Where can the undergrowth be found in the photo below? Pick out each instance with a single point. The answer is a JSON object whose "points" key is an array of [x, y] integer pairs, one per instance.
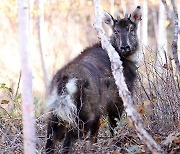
{"points": [[156, 97]]}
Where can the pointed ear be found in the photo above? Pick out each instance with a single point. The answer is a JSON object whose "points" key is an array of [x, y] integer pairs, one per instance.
{"points": [[108, 19], [136, 15]]}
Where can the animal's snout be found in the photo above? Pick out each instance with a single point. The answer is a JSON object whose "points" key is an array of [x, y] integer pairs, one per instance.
{"points": [[125, 48]]}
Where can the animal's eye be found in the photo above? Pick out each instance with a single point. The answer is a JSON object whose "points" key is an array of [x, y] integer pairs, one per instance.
{"points": [[115, 32], [131, 30]]}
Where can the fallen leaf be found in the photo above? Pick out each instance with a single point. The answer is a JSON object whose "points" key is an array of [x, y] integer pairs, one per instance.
{"points": [[140, 108], [4, 101], [147, 102]]}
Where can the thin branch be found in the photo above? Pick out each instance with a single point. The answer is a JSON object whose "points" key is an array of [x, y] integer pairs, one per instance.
{"points": [[117, 71], [5, 111], [19, 80]]}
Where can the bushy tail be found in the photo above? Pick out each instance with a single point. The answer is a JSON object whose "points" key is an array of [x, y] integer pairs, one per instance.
{"points": [[63, 105]]}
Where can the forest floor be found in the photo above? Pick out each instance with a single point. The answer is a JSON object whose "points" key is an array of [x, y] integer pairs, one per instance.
{"points": [[125, 140], [159, 106]]}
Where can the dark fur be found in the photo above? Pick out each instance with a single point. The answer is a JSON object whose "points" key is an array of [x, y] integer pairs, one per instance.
{"points": [[97, 94]]}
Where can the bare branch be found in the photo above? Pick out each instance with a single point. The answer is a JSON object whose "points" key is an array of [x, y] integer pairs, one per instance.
{"points": [[19, 80], [117, 71]]}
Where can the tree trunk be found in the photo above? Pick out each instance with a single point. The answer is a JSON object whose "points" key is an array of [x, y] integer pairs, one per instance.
{"points": [[41, 37], [175, 37], [174, 18], [112, 7], [162, 39], [155, 24], [144, 24], [178, 8], [136, 3], [117, 71], [27, 96]]}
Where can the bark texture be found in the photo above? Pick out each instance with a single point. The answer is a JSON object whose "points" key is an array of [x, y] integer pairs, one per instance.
{"points": [[27, 96], [41, 37], [174, 18], [175, 38]]}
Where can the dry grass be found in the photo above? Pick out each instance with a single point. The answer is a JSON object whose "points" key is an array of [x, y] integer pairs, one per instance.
{"points": [[156, 98]]}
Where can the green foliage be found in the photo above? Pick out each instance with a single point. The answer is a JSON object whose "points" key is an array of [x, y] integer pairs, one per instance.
{"points": [[15, 99], [3, 85], [10, 100], [18, 97]]}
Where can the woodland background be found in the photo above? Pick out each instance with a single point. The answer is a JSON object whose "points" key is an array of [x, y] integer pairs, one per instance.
{"points": [[60, 30]]}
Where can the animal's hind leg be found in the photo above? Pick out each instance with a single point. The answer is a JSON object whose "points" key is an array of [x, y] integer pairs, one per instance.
{"points": [[70, 138], [55, 132], [112, 121], [74, 134], [114, 114]]}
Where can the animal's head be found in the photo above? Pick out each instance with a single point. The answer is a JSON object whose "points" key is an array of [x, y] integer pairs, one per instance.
{"points": [[124, 36]]}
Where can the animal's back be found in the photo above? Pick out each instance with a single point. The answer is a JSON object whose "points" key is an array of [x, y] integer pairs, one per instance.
{"points": [[92, 69], [93, 61]]}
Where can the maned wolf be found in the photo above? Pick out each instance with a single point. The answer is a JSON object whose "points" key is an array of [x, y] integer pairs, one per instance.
{"points": [[84, 90]]}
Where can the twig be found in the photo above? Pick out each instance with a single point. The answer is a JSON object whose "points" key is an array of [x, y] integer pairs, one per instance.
{"points": [[18, 85], [117, 71], [5, 111]]}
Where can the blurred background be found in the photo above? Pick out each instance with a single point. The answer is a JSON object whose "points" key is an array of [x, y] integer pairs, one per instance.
{"points": [[59, 31]]}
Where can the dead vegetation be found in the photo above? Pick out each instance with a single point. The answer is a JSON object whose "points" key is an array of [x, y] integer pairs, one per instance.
{"points": [[156, 98]]}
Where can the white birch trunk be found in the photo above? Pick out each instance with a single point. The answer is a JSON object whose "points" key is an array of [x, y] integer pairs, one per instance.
{"points": [[112, 7], [175, 37], [178, 9], [174, 17], [41, 37], [144, 24], [155, 24], [123, 5], [117, 71], [136, 3], [139, 55], [27, 96], [162, 39]]}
